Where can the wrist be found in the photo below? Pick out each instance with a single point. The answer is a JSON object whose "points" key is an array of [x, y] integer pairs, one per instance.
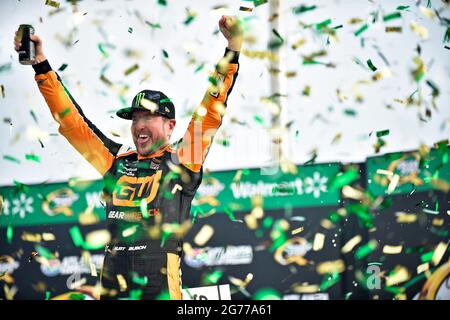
{"points": [[235, 44], [39, 58]]}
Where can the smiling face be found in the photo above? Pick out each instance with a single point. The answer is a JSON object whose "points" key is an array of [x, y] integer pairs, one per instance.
{"points": [[150, 131]]}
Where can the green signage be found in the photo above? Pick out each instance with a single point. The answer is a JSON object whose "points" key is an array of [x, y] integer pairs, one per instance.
{"points": [[80, 201], [403, 172]]}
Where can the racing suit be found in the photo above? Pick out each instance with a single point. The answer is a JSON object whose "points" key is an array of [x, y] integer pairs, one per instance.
{"points": [[142, 193]]}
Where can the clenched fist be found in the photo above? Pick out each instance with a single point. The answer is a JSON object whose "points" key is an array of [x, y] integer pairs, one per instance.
{"points": [[232, 31]]}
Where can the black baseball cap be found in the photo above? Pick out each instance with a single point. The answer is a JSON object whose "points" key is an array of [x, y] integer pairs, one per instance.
{"points": [[159, 103]]}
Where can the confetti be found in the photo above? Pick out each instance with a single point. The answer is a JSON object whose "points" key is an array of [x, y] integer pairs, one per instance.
{"points": [[343, 179], [398, 275], [258, 3], [302, 8], [33, 157], [371, 66], [298, 230], [423, 267], [330, 267], [352, 243], [439, 252], [130, 30], [392, 16], [63, 67], [131, 69], [176, 188], [245, 9], [393, 29], [365, 250], [319, 240], [9, 233], [77, 238], [393, 184], [122, 282], [203, 236], [51, 3], [402, 8], [2, 90], [392, 249], [421, 31], [361, 30], [11, 158]]}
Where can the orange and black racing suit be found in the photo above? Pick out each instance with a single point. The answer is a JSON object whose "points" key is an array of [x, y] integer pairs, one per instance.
{"points": [[143, 193]]}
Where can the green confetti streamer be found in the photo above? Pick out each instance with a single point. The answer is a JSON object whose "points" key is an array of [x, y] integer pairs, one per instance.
{"points": [[200, 67], [33, 115], [153, 25], [162, 2], [426, 257], [163, 295], [329, 280], [267, 294], [102, 50], [322, 24], [365, 250], [213, 277], [343, 179], [392, 16], [33, 157], [350, 112], [76, 235], [44, 252], [47, 295], [77, 296], [11, 158], [64, 113], [258, 3], [259, 120], [371, 66], [63, 67], [166, 55], [278, 35], [9, 234], [361, 30], [144, 208], [301, 9], [382, 133], [402, 8], [142, 281], [130, 30]]}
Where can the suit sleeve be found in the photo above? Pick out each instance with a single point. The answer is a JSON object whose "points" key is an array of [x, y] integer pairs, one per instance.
{"points": [[86, 138], [198, 138]]}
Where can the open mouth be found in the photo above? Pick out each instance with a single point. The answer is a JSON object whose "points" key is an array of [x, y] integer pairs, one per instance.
{"points": [[143, 138]]}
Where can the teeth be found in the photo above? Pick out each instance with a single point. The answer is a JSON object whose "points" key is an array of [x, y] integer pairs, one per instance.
{"points": [[143, 136]]}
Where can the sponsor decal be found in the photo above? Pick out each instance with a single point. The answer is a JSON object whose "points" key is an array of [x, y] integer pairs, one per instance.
{"points": [[219, 256], [293, 251], [130, 191], [314, 185], [70, 265], [59, 202]]}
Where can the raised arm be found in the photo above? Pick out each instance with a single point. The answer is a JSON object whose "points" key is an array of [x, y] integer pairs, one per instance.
{"points": [[208, 116], [86, 138]]}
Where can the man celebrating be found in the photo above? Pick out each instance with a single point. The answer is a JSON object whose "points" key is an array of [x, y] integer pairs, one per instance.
{"points": [[151, 186]]}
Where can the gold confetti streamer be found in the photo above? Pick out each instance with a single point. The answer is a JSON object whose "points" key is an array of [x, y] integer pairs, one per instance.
{"points": [[330, 267], [203, 236], [392, 249], [348, 247], [400, 274], [403, 217], [319, 240], [122, 282], [439, 253]]}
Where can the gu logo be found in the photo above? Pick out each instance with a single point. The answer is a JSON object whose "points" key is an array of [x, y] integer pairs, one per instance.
{"points": [[130, 191], [139, 99]]}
